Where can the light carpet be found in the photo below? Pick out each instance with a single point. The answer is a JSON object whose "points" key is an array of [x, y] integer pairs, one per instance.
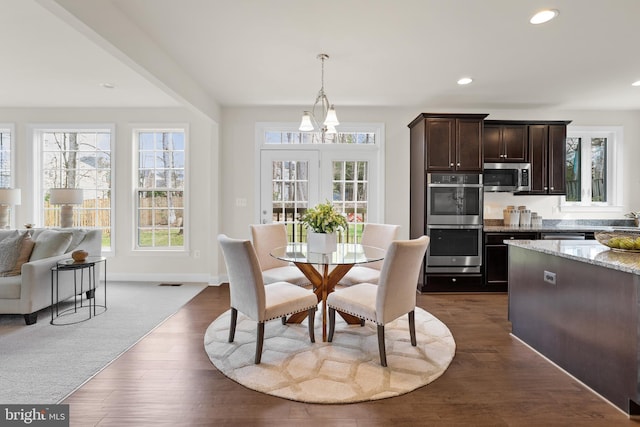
{"points": [[347, 370], [42, 363]]}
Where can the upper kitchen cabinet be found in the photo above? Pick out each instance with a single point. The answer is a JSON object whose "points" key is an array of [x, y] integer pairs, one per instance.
{"points": [[449, 142], [505, 142], [547, 156]]}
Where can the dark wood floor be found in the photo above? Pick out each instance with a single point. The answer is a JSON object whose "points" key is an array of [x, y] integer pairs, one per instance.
{"points": [[494, 380]]}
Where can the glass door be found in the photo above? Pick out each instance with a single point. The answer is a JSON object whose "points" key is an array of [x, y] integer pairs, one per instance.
{"points": [[289, 184], [293, 180]]}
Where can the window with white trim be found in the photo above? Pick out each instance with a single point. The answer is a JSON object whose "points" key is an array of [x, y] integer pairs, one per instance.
{"points": [[80, 158], [6, 164], [160, 188], [593, 169]]}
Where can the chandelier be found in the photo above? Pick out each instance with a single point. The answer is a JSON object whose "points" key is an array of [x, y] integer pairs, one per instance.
{"points": [[309, 122]]}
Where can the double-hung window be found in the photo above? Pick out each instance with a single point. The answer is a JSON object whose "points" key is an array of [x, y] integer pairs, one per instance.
{"points": [[6, 163], [78, 158], [160, 188], [593, 169]]}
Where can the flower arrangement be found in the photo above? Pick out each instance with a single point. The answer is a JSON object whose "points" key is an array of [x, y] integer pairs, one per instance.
{"points": [[323, 218]]}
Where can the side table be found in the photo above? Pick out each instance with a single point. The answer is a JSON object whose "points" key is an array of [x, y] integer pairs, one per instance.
{"points": [[69, 316]]}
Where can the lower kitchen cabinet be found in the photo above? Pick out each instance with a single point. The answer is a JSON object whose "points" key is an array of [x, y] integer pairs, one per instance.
{"points": [[496, 258], [453, 283]]}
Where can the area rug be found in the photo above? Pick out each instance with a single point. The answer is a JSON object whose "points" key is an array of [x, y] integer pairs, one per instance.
{"points": [[42, 363], [347, 370]]}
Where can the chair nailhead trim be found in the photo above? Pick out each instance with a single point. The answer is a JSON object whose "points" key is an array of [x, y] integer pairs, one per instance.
{"points": [[290, 313]]}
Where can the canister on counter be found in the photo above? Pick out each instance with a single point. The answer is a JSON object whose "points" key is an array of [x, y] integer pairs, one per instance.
{"points": [[525, 218]]}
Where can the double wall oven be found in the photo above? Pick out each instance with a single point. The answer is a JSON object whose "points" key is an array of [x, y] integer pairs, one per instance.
{"points": [[454, 222]]}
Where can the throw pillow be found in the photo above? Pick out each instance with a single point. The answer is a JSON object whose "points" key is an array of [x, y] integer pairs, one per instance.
{"points": [[9, 250], [23, 256], [50, 243]]}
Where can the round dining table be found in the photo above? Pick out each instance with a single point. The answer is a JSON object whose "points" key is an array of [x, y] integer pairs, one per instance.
{"points": [[324, 271]]}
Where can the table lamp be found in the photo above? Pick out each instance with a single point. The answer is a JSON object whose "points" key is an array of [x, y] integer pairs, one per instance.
{"points": [[66, 197], [8, 197]]}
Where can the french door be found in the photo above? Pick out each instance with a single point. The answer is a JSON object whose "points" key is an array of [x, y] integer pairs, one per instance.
{"points": [[294, 180]]}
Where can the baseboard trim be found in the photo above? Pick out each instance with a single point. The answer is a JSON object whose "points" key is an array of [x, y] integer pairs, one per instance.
{"points": [[164, 277]]}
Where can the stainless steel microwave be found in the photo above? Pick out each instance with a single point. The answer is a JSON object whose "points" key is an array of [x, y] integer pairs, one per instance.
{"points": [[508, 177]]}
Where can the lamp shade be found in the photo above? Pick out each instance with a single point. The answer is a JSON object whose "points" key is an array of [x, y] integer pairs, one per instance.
{"points": [[10, 196], [305, 124], [66, 196], [332, 118]]}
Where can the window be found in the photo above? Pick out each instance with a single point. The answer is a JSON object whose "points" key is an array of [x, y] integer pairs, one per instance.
{"points": [[593, 169], [350, 194], [275, 136], [6, 180], [77, 158], [160, 188]]}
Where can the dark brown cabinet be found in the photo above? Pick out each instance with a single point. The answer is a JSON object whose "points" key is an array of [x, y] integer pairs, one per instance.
{"points": [[505, 142], [547, 156], [441, 143], [496, 257], [450, 142]]}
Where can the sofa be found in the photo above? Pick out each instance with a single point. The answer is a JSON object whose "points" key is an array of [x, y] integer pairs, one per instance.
{"points": [[26, 259]]}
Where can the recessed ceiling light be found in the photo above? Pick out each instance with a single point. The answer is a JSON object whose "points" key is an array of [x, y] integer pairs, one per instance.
{"points": [[108, 85], [543, 16], [465, 81], [636, 83]]}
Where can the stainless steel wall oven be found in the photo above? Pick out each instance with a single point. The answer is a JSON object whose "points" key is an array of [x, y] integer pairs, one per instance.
{"points": [[454, 198], [454, 222]]}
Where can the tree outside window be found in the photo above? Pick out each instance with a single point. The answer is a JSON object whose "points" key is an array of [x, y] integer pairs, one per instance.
{"points": [[594, 175], [78, 158], [160, 189], [5, 158]]}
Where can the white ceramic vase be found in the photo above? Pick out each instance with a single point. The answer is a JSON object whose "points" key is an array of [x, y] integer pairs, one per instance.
{"points": [[322, 243]]}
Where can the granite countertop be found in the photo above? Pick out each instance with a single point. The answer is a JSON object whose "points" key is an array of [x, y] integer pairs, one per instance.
{"points": [[550, 228], [559, 226], [588, 251]]}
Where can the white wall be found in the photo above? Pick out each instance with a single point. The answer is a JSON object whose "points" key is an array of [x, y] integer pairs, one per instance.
{"points": [[203, 220]]}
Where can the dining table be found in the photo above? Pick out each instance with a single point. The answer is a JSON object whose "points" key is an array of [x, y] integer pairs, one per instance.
{"points": [[324, 271]]}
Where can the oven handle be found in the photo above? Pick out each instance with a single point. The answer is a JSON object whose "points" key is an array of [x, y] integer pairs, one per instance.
{"points": [[457, 226], [456, 185]]}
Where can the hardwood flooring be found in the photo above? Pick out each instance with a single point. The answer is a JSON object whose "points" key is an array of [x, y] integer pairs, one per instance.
{"points": [[494, 380]]}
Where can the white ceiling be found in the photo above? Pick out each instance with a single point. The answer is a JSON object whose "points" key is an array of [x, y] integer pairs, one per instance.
{"points": [[405, 53]]}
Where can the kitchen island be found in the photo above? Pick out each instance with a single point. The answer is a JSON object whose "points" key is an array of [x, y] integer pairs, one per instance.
{"points": [[577, 303]]}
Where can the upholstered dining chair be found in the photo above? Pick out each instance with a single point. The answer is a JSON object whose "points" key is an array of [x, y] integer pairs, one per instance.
{"points": [[379, 236], [265, 238], [394, 296], [256, 301]]}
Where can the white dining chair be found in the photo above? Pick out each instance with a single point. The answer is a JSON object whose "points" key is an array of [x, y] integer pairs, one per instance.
{"points": [[394, 296], [379, 236], [251, 297], [265, 238]]}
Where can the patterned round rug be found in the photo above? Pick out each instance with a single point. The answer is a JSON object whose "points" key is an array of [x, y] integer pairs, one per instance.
{"points": [[345, 371]]}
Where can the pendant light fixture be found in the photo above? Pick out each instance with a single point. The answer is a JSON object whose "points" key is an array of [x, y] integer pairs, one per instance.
{"points": [[309, 122]]}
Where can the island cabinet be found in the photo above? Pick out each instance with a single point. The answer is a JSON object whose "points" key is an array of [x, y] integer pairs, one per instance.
{"points": [[505, 142], [577, 304], [449, 142], [547, 154]]}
